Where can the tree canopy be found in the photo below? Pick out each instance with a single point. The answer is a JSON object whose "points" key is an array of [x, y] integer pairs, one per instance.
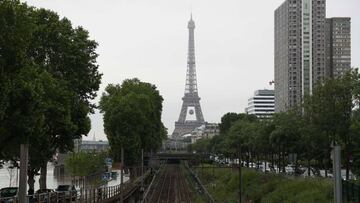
{"points": [[132, 118], [329, 115], [85, 164], [48, 78]]}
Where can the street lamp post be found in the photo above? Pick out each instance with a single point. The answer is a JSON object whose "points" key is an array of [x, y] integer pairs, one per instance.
{"points": [[121, 176], [239, 168], [336, 157]]}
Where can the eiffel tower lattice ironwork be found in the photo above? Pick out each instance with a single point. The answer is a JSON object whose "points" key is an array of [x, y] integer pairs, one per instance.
{"points": [[191, 115]]}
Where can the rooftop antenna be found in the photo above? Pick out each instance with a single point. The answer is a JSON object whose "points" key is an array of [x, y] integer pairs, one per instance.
{"points": [[191, 12]]}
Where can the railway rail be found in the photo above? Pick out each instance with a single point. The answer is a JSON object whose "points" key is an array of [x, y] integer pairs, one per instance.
{"points": [[170, 186]]}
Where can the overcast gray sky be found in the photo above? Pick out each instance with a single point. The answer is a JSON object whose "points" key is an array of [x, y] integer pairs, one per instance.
{"points": [[147, 39]]}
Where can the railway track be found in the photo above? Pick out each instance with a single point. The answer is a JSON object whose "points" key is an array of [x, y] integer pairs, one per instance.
{"points": [[184, 197], [171, 186]]}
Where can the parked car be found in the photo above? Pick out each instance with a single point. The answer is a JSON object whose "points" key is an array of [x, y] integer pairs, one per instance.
{"points": [[312, 172], [329, 174], [262, 167], [66, 192], [290, 169], [8, 194], [42, 191], [351, 175], [44, 195]]}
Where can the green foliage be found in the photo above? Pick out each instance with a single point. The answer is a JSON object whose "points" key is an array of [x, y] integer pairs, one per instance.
{"points": [[48, 77], [329, 110], [85, 164], [223, 185], [132, 118], [202, 145], [330, 114], [306, 190], [232, 131], [242, 133], [36, 42], [355, 135], [331, 105], [228, 119], [286, 132]]}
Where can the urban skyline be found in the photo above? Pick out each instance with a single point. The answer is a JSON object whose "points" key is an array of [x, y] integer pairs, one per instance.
{"points": [[236, 63], [90, 117]]}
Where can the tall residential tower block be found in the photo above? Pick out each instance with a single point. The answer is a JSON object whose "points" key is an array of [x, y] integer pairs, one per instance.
{"points": [[299, 50], [338, 46], [308, 49]]}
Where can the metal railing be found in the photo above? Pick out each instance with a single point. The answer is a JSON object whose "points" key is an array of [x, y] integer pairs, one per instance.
{"points": [[207, 195], [89, 195], [147, 195], [350, 191]]}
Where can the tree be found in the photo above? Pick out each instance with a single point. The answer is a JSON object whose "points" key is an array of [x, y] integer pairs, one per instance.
{"points": [[132, 119], [202, 146], [226, 121], [312, 142], [355, 123], [262, 139], [13, 42], [69, 55], [355, 134], [226, 144], [241, 134], [48, 76], [330, 114], [85, 164], [331, 106], [286, 134], [354, 78], [229, 118], [219, 146]]}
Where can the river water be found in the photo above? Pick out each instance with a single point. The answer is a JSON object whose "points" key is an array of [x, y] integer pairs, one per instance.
{"points": [[9, 178]]}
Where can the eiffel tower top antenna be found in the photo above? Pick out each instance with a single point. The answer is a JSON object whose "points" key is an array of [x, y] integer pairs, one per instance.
{"points": [[191, 82]]}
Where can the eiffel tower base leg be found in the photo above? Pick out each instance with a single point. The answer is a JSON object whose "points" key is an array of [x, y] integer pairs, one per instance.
{"points": [[184, 128]]}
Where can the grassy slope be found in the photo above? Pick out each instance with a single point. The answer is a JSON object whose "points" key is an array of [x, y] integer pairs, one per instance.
{"points": [[257, 187]]}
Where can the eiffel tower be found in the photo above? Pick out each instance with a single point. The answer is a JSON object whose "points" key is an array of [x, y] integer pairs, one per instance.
{"points": [[191, 115]]}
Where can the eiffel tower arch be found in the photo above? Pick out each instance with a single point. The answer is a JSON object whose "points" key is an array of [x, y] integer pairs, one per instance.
{"points": [[191, 115]]}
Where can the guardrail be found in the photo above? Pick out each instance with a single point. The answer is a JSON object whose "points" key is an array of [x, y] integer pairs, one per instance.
{"points": [[350, 191], [146, 195], [90, 195], [197, 179], [147, 191]]}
